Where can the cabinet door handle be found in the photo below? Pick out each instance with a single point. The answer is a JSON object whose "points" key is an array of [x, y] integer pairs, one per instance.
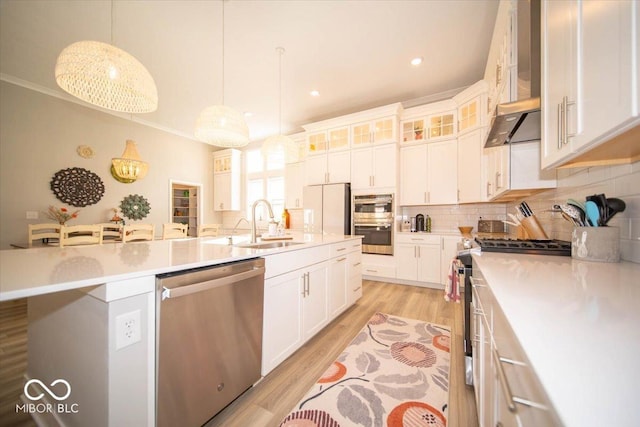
{"points": [[428, 196], [498, 181], [356, 264], [559, 124], [565, 105], [340, 259], [415, 252], [504, 384]]}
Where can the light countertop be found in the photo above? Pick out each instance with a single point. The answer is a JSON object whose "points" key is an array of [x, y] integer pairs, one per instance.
{"points": [[579, 324], [36, 271]]}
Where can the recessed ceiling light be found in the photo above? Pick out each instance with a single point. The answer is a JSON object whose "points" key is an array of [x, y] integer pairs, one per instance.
{"points": [[417, 61], [314, 93]]}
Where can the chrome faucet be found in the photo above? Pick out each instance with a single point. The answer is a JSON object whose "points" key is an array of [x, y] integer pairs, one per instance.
{"points": [[253, 217]]}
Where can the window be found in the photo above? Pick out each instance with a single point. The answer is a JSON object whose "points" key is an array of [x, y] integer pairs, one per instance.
{"points": [[265, 180]]}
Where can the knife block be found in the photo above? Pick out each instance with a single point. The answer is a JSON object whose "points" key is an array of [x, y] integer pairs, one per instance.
{"points": [[533, 228]]}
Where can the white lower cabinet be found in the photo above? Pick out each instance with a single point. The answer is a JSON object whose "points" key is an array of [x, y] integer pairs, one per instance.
{"points": [[299, 303], [338, 285], [418, 258], [314, 299], [508, 392]]}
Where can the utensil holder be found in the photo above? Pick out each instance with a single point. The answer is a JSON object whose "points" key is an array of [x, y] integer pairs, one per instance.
{"points": [[600, 244], [533, 228]]}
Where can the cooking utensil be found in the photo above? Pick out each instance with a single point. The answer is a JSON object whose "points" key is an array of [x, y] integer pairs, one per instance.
{"points": [[593, 213], [581, 210], [601, 202], [615, 205], [575, 213], [576, 203]]}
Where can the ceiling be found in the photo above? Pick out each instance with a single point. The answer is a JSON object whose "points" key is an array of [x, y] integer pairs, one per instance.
{"points": [[355, 52]]}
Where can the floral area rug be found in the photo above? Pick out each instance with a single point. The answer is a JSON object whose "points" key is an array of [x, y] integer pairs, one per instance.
{"points": [[394, 373]]}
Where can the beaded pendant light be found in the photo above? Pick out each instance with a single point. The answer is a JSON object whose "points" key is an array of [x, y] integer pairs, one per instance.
{"points": [[104, 75], [280, 142], [221, 125]]}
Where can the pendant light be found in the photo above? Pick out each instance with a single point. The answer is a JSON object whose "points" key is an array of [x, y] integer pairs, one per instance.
{"points": [[104, 75], [129, 167], [280, 142], [220, 125]]}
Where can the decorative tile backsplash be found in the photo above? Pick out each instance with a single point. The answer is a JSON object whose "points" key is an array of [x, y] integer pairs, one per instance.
{"points": [[621, 181]]}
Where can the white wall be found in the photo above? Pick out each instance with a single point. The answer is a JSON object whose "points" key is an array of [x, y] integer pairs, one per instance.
{"points": [[39, 135]]}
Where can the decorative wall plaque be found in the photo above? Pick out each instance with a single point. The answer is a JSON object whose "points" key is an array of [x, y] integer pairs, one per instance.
{"points": [[135, 206], [77, 187]]}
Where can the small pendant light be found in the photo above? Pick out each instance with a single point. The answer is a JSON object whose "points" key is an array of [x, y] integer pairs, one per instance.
{"points": [[280, 142], [221, 125]]}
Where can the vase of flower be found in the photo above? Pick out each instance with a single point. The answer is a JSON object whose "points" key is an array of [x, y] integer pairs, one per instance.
{"points": [[62, 215]]}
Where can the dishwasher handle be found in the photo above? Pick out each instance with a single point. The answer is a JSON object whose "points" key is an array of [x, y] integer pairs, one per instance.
{"points": [[209, 284]]}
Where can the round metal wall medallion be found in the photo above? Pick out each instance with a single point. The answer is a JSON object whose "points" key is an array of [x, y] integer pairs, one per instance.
{"points": [[135, 207], [77, 187]]}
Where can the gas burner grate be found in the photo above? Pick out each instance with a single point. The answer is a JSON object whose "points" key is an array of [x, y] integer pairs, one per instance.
{"points": [[535, 247]]}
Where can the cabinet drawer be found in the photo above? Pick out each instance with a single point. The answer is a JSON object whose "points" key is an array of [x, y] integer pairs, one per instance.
{"points": [[284, 262], [354, 264], [522, 380], [418, 238], [378, 271], [341, 249]]}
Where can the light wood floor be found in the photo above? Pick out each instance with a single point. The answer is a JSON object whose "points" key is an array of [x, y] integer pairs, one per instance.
{"points": [[267, 403], [271, 399]]}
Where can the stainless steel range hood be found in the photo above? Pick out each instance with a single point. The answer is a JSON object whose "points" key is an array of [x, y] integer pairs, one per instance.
{"points": [[519, 121]]}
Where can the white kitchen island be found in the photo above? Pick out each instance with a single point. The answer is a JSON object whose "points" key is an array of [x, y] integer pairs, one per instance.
{"points": [[77, 296]]}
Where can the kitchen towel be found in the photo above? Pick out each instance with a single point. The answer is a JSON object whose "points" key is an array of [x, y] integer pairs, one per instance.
{"points": [[452, 287], [394, 373]]}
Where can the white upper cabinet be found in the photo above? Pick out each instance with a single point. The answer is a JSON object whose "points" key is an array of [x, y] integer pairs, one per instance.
{"points": [[470, 167], [590, 90], [327, 140], [429, 122], [429, 173], [294, 179], [374, 132], [374, 167], [472, 107], [226, 180], [329, 168]]}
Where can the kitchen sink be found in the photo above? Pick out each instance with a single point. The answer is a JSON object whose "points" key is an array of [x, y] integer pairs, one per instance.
{"points": [[267, 245]]}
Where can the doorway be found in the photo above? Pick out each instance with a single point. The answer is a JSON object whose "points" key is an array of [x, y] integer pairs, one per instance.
{"points": [[185, 204]]}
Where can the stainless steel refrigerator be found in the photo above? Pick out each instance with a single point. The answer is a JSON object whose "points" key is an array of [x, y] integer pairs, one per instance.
{"points": [[327, 208]]}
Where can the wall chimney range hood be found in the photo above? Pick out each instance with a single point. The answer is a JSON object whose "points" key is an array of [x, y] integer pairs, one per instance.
{"points": [[519, 120]]}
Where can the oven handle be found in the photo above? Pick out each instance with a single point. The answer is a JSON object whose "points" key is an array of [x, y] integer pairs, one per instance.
{"points": [[369, 224], [373, 201]]}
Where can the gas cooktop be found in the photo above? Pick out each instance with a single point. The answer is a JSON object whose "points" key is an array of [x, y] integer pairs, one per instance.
{"points": [[535, 247]]}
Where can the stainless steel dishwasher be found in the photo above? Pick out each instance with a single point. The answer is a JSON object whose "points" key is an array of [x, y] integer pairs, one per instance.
{"points": [[209, 340]]}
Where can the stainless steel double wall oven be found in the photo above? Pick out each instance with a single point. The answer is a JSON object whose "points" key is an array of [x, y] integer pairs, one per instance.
{"points": [[373, 219]]}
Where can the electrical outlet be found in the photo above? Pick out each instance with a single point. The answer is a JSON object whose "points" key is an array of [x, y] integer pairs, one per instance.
{"points": [[128, 329], [32, 214]]}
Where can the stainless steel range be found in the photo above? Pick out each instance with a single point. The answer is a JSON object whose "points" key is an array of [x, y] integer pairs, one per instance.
{"points": [[465, 270]]}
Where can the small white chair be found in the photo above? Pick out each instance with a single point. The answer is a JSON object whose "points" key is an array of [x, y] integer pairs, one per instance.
{"points": [[111, 231], [43, 231], [134, 232], [80, 235], [174, 230], [208, 230]]}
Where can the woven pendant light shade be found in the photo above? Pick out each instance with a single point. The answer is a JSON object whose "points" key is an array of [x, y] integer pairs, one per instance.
{"points": [[104, 75], [281, 143], [222, 126], [130, 166]]}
